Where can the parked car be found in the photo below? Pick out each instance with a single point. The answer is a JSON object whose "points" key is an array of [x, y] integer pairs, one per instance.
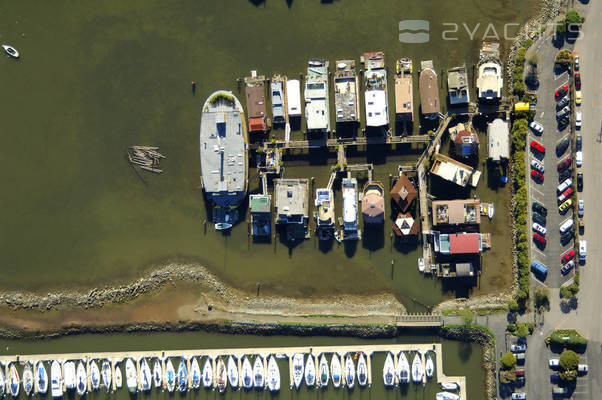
{"points": [[540, 229], [537, 238], [577, 78], [579, 158], [576, 61], [540, 219], [565, 238], [565, 195], [520, 358], [578, 97], [537, 147], [564, 175], [538, 176], [519, 396], [520, 381], [563, 113], [578, 120], [564, 164], [564, 185], [563, 123], [579, 143], [582, 368], [554, 362], [560, 391], [538, 207], [565, 206], [536, 127], [580, 208], [566, 226], [562, 146], [536, 165], [580, 181], [568, 256], [560, 92], [518, 348], [554, 377], [566, 268], [539, 269], [563, 102]]}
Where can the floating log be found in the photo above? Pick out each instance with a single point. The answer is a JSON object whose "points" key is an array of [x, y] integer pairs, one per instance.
{"points": [[144, 148], [155, 170]]}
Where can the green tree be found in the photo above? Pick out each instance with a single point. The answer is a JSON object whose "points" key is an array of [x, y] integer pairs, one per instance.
{"points": [[569, 360], [508, 361], [573, 18], [513, 305], [542, 296]]}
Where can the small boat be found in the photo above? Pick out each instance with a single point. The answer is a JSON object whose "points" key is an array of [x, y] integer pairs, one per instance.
{"points": [[429, 367], [490, 211], [310, 371], [170, 376], [335, 370], [70, 378], [403, 368], [2, 381], [118, 377], [258, 381], [82, 379], [27, 378], [222, 376], [297, 369], [446, 396], [232, 372], [417, 368], [207, 374], [106, 374], [421, 264], [273, 375], [349, 371], [10, 51], [246, 374], [324, 373], [449, 385], [94, 375], [195, 371], [56, 379], [41, 378], [146, 378], [157, 374], [130, 375], [362, 370], [389, 371], [182, 376]]}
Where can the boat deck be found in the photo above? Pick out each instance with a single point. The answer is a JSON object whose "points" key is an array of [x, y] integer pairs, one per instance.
{"points": [[346, 92]]}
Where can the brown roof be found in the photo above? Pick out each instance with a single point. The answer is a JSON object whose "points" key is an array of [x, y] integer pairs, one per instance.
{"points": [[405, 225], [404, 96], [429, 92], [373, 203], [256, 107], [403, 192], [456, 212], [461, 135]]}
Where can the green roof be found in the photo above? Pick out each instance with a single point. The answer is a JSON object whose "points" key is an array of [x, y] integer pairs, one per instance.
{"points": [[260, 203]]}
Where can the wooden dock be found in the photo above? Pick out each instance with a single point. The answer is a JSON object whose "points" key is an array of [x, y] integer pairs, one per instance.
{"points": [[335, 142]]}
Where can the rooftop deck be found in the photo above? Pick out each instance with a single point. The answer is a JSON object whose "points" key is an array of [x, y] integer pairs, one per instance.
{"points": [[346, 92]]}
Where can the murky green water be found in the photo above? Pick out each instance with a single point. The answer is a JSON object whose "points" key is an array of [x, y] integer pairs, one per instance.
{"points": [[459, 359], [97, 77]]}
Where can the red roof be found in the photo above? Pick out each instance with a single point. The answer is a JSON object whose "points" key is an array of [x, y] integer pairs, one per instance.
{"points": [[464, 243], [256, 124]]}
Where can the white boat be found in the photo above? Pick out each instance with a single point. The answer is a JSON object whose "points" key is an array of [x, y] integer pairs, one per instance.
{"points": [[246, 374], [170, 376], [182, 376], [446, 396], [130, 376], [82, 379], [118, 376], [349, 371], [421, 264], [106, 374], [417, 368], [157, 374], [145, 376], [310, 371], [350, 208], [94, 375], [273, 375], [335, 370], [389, 371], [362, 370], [258, 381], [403, 368], [375, 90], [449, 385], [429, 367], [323, 372], [27, 378], [56, 379], [232, 372], [2, 381], [195, 372], [10, 51], [297, 369], [41, 378], [207, 374], [70, 378], [222, 375], [13, 380], [490, 211]]}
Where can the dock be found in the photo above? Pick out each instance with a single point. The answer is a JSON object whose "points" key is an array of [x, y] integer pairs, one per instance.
{"points": [[335, 142]]}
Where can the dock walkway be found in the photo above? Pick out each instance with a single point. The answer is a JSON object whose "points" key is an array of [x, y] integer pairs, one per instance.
{"points": [[335, 142]]}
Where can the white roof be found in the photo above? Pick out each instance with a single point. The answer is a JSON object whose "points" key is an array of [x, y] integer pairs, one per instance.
{"points": [[490, 81], [377, 113], [498, 138], [316, 108], [293, 96], [349, 200]]}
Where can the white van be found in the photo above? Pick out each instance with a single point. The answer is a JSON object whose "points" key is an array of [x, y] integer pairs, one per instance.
{"points": [[565, 185], [582, 250], [566, 226]]}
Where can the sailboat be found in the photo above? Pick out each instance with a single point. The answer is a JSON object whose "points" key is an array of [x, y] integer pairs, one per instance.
{"points": [[323, 371], [146, 379], [195, 371], [446, 396], [246, 374], [403, 368], [349, 371], [41, 378], [2, 381], [94, 375], [362, 370], [310, 371], [429, 366], [207, 374], [273, 375], [449, 385], [106, 374], [417, 368], [130, 375], [56, 379], [232, 372], [69, 371], [170, 376], [118, 377], [182, 376], [297, 369], [389, 371], [157, 374], [27, 378], [222, 376], [335, 370], [82, 379], [258, 381]]}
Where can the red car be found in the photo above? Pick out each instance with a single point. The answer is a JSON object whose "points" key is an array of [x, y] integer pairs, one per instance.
{"points": [[539, 239], [561, 91], [537, 146], [577, 81], [564, 164], [537, 175], [568, 256], [567, 193]]}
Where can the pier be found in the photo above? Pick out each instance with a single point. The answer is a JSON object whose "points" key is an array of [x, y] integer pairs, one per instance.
{"points": [[335, 142]]}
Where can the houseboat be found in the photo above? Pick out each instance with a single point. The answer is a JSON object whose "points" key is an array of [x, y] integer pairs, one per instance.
{"points": [[256, 107], [457, 86], [490, 80], [375, 94], [224, 164], [373, 203], [291, 207], [293, 98], [317, 102], [404, 91], [277, 91], [325, 213], [346, 92], [429, 91], [350, 228]]}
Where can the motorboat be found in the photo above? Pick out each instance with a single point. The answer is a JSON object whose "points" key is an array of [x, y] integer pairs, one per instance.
{"points": [[417, 368], [362, 370], [106, 374], [349, 371], [449, 385], [56, 379], [389, 371], [170, 376], [335, 370], [297, 369], [2, 381], [207, 374], [232, 372], [10, 51], [118, 376], [246, 374], [41, 378], [157, 374], [222, 375], [403, 368], [258, 381], [446, 396], [195, 372], [323, 372], [82, 379], [27, 378], [310, 371], [429, 367], [145, 376], [421, 264], [130, 375], [94, 375], [273, 375], [70, 377], [182, 376]]}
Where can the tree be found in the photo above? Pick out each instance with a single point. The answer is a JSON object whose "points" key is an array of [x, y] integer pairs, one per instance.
{"points": [[508, 361], [522, 330], [542, 296], [513, 305], [573, 18], [563, 57], [569, 360]]}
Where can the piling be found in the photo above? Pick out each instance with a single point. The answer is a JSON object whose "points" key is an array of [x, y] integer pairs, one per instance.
{"points": [[193, 85]]}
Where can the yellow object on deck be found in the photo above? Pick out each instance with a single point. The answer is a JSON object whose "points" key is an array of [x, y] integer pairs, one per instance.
{"points": [[521, 106]]}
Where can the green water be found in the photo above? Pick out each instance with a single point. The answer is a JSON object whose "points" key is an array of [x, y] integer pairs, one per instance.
{"points": [[459, 359], [96, 77]]}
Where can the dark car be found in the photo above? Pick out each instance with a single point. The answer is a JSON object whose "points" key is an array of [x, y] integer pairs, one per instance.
{"points": [[537, 146], [563, 123], [564, 175], [577, 81], [554, 377], [560, 92], [579, 142], [538, 207], [563, 102], [580, 181], [564, 164], [562, 146], [567, 237], [538, 176], [540, 219], [564, 112]]}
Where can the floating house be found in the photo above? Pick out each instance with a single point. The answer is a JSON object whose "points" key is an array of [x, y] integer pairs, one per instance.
{"points": [[317, 103], [456, 270], [498, 138], [490, 80], [406, 227], [466, 142], [277, 90], [293, 98], [404, 91], [429, 91], [346, 88], [373, 203], [325, 213], [457, 86], [458, 243], [454, 171], [256, 107], [456, 212], [350, 227], [375, 90], [292, 207], [261, 214], [403, 192]]}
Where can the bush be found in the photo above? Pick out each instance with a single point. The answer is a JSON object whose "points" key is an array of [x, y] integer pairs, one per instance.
{"points": [[542, 296], [513, 305], [573, 18], [563, 57], [574, 341], [520, 329], [569, 360], [508, 361]]}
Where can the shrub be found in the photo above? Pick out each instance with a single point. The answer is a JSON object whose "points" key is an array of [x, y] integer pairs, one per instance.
{"points": [[559, 338], [513, 305], [508, 361], [520, 329], [563, 57], [542, 296], [573, 18], [569, 360]]}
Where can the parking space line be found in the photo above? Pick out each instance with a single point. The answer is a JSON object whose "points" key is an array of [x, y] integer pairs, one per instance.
{"points": [[538, 192], [560, 76], [562, 138], [536, 250]]}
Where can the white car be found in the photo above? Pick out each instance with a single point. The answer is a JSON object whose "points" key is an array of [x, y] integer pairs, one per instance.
{"points": [[578, 120], [554, 362], [519, 396], [538, 228], [536, 165], [536, 127], [581, 208], [579, 158], [518, 348]]}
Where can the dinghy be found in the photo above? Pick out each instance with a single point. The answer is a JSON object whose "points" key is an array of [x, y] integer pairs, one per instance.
{"points": [[389, 371], [222, 376], [13, 380], [195, 371], [207, 374], [273, 375], [446, 396], [118, 377], [335, 370], [170, 376], [246, 374], [106, 375], [82, 379], [69, 371], [27, 378], [10, 51], [362, 370], [297, 369], [310, 371], [403, 368], [56, 379], [324, 374], [417, 368], [182, 376], [157, 374], [232, 372], [94, 375], [449, 385], [146, 378], [41, 378], [429, 367], [2, 381], [130, 375], [349, 371], [258, 381]]}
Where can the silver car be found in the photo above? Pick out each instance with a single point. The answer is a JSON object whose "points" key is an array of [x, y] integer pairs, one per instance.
{"points": [[581, 208], [540, 229], [536, 127], [563, 102], [536, 165], [563, 113], [518, 348]]}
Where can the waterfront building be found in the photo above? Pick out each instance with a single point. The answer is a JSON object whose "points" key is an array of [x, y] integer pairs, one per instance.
{"points": [[490, 80], [457, 86], [429, 91], [456, 270], [375, 90], [466, 142], [403, 192], [317, 103], [373, 203], [261, 214], [256, 107], [346, 89], [454, 171], [292, 207], [458, 243], [404, 91], [277, 90], [456, 212], [406, 227], [498, 138]]}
